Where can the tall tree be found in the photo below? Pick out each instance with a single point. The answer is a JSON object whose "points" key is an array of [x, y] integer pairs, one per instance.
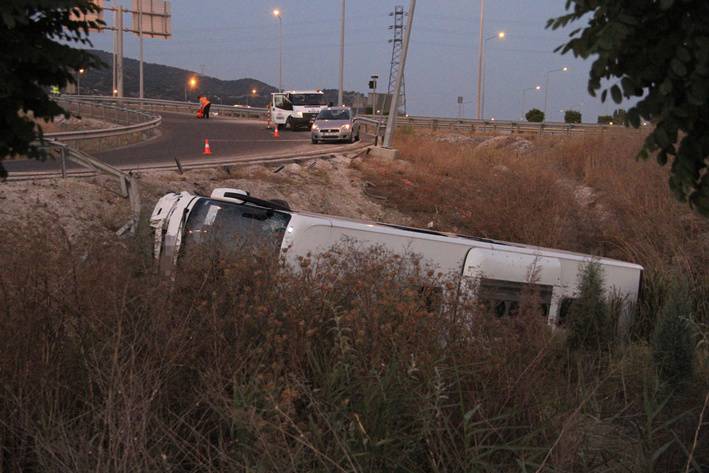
{"points": [[37, 53], [658, 51]]}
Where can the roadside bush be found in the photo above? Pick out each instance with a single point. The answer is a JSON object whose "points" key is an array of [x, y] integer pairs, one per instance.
{"points": [[572, 116], [673, 341], [534, 115], [351, 361], [589, 324]]}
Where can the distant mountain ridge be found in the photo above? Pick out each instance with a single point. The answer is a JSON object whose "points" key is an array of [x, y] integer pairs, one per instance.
{"points": [[168, 82]]}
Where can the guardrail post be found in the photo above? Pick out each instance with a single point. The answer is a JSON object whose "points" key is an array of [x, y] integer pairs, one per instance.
{"points": [[62, 157], [124, 187], [434, 125]]}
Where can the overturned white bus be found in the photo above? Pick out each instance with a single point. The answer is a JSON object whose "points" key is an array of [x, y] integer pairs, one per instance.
{"points": [[501, 268]]}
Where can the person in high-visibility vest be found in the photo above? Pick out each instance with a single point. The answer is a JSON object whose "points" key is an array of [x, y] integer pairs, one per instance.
{"points": [[205, 104]]}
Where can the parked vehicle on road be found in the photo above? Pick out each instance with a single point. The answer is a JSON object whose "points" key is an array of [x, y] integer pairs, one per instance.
{"points": [[500, 268], [335, 124], [296, 108]]}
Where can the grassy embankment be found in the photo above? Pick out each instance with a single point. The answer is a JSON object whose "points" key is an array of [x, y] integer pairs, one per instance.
{"points": [[244, 366]]}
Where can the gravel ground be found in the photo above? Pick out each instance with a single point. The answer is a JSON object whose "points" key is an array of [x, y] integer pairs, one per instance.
{"points": [[94, 205]]}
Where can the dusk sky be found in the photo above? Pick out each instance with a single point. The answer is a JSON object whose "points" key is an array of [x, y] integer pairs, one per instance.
{"points": [[232, 39]]}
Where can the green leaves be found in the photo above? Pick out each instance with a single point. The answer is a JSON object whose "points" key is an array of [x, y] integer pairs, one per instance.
{"points": [[678, 67], [36, 53], [616, 94], [666, 4], [658, 51]]}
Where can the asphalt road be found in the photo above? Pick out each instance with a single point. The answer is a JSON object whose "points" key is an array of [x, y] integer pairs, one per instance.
{"points": [[182, 137]]}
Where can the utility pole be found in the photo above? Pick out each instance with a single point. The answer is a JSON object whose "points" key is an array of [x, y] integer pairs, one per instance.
{"points": [[278, 14], [340, 94], [396, 51], [394, 106], [119, 52], [140, 36], [478, 107]]}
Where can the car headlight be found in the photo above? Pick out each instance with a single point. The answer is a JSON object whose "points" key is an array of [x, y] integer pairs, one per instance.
{"points": [[298, 114], [344, 127], [315, 128]]}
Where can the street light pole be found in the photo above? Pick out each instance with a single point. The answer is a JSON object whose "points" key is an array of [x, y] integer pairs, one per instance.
{"points": [[340, 94], [277, 13], [394, 102], [537, 88], [140, 35], [192, 83], [478, 107], [501, 35], [546, 88], [78, 81]]}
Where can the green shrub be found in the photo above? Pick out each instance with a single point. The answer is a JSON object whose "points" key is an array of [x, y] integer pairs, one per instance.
{"points": [[572, 116], [535, 116], [673, 344], [588, 319]]}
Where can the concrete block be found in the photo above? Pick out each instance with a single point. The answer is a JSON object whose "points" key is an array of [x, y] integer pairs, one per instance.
{"points": [[384, 153]]}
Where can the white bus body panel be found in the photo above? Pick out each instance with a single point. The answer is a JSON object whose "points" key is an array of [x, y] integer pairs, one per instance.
{"points": [[309, 235]]}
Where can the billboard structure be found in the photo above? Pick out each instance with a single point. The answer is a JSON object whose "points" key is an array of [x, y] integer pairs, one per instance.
{"points": [[152, 18], [91, 17]]}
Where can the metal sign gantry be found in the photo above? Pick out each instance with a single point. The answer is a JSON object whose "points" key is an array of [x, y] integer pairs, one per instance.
{"points": [[151, 18]]}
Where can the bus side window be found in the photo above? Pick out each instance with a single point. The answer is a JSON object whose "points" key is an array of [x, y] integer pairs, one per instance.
{"points": [[565, 309], [503, 297]]}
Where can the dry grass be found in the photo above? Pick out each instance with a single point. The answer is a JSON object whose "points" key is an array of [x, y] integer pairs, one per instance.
{"points": [[583, 193], [350, 363], [342, 364]]}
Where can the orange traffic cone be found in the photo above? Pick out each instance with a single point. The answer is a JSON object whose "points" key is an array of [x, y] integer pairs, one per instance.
{"points": [[207, 150], [275, 130]]}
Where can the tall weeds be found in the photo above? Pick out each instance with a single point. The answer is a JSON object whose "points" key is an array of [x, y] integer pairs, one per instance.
{"points": [[346, 363]]}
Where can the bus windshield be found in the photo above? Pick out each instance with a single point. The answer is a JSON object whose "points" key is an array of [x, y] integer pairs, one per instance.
{"points": [[307, 99], [231, 225]]}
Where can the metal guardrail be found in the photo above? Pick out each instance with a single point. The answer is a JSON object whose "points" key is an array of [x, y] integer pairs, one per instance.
{"points": [[504, 126], [378, 125], [128, 183], [129, 121], [416, 122], [160, 105]]}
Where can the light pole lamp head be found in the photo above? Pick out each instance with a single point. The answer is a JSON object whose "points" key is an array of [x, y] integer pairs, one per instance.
{"points": [[82, 70], [539, 87], [253, 91], [193, 82], [564, 69], [276, 12], [501, 35]]}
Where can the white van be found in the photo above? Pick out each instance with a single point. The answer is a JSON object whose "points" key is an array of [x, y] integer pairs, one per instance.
{"points": [[296, 108], [501, 269]]}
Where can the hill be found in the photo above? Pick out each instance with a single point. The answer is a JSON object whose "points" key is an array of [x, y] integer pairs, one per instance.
{"points": [[168, 82]]}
